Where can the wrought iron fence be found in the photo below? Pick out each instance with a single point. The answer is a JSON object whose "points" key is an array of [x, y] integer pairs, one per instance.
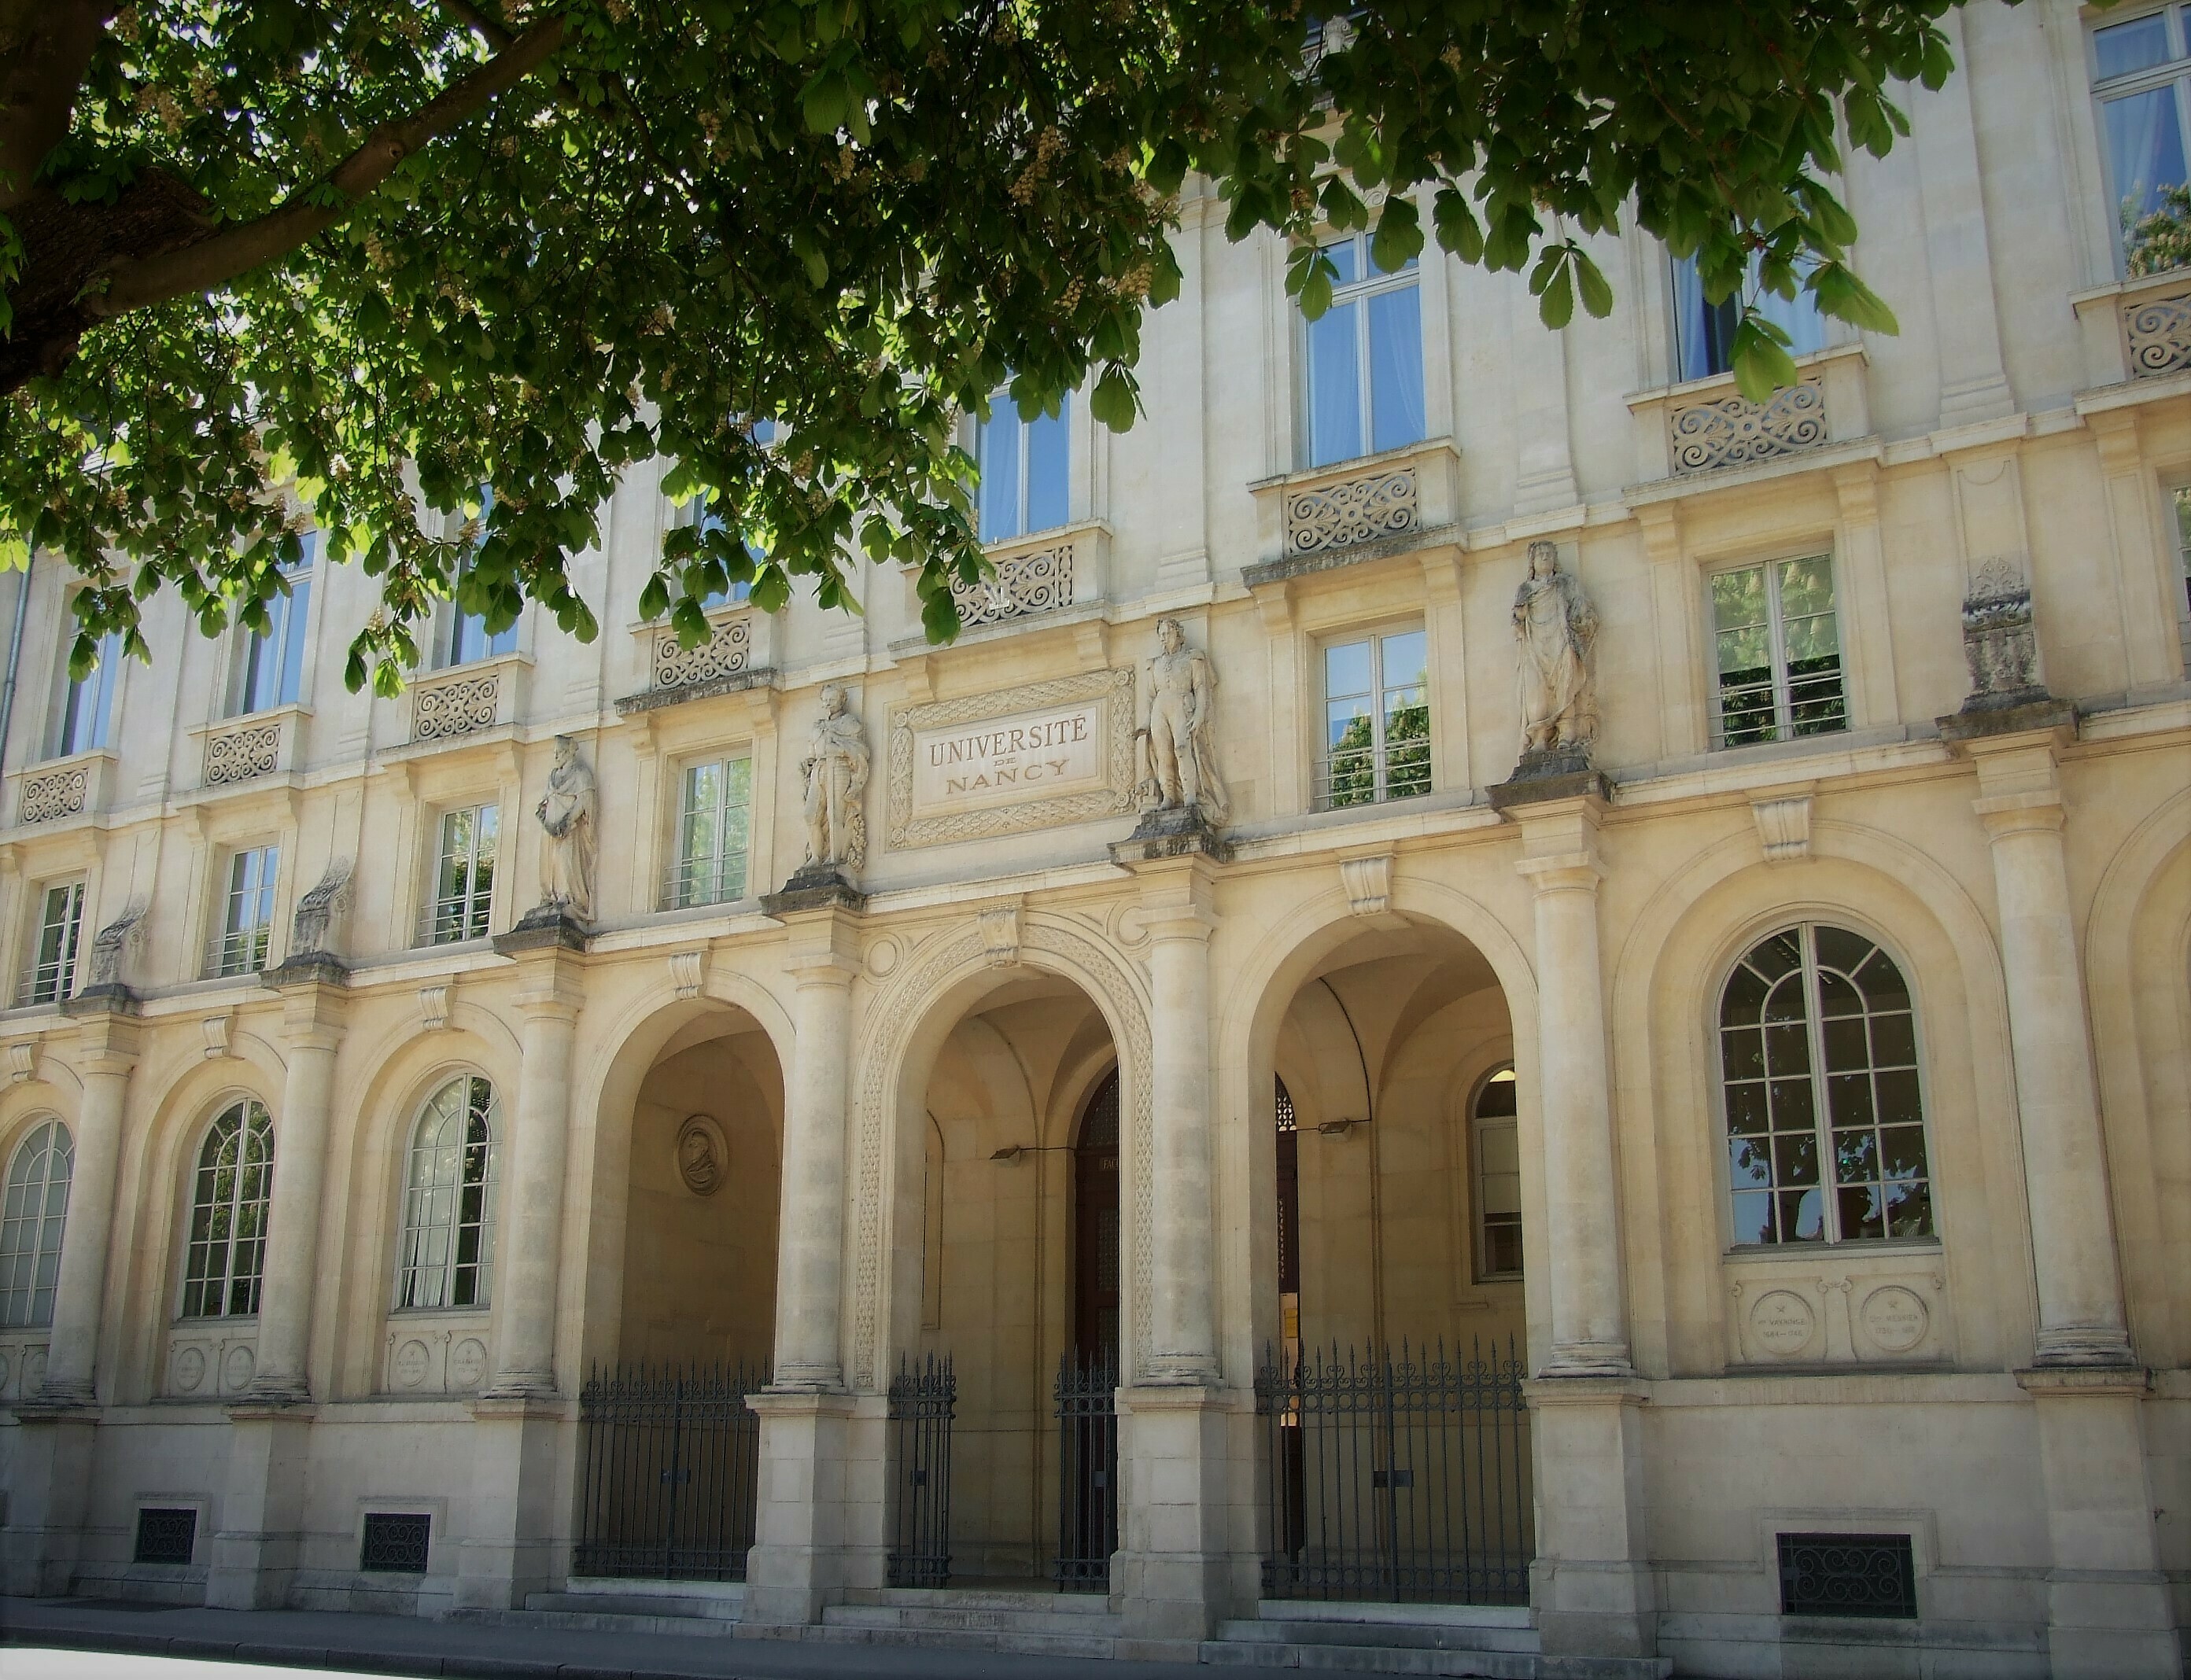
{"points": [[923, 1398], [669, 1465], [1395, 1479], [1087, 1471]]}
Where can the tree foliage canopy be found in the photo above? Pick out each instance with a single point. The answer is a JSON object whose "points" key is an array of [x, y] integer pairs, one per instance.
{"points": [[272, 263]]}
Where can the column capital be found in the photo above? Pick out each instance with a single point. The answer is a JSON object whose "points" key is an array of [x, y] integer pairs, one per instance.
{"points": [[106, 1040], [2038, 812], [313, 1014], [824, 945], [1177, 895], [551, 976]]}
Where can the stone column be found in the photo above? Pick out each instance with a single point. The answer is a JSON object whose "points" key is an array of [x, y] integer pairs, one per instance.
{"points": [[821, 1448], [530, 1239], [1591, 1581], [1182, 1334], [107, 1035], [312, 1025]]}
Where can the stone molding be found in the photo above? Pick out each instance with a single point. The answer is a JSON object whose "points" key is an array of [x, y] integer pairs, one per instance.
{"points": [[896, 1010]]}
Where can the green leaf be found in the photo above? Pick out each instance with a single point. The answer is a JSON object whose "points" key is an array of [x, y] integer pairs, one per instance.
{"points": [[1762, 365], [1115, 400], [1841, 295], [1597, 289], [1458, 229], [1398, 240]]}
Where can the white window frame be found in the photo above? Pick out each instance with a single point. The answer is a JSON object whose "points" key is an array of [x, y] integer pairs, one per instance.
{"points": [[449, 633], [429, 1264], [1368, 284], [289, 636], [1004, 411], [103, 684], [249, 876], [237, 1260], [2173, 72], [1478, 1125], [1791, 314], [51, 980], [1325, 796], [1780, 681], [685, 889], [32, 1225], [469, 912]]}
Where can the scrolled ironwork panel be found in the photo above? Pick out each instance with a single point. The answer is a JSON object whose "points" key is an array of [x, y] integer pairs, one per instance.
{"points": [[442, 711], [1847, 1574], [2158, 333], [1733, 431], [1351, 511]]}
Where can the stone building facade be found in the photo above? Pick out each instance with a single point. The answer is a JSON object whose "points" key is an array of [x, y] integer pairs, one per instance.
{"points": [[1766, 1099]]}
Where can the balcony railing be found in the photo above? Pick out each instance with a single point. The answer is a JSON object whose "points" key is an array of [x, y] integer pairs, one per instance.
{"points": [[236, 951], [691, 882], [53, 981], [1369, 775], [1728, 429], [1029, 581], [449, 921]]}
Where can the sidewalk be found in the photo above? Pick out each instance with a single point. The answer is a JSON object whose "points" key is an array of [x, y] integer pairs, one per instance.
{"points": [[407, 1646]]}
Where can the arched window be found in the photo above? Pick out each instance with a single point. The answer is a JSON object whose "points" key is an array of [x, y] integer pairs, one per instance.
{"points": [[1819, 1056], [449, 1204], [31, 1222], [1498, 1147], [228, 1215]]}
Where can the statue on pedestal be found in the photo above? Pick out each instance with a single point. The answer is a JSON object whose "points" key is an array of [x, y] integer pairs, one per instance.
{"points": [[1555, 682], [1175, 739], [568, 813], [835, 769]]}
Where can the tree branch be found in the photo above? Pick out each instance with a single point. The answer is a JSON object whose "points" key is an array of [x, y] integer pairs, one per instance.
{"points": [[206, 265], [45, 50]]}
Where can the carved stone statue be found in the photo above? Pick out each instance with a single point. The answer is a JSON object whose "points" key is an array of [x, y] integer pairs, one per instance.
{"points": [[1997, 637], [835, 769], [1179, 761], [313, 926], [1555, 684], [111, 943], [569, 813]]}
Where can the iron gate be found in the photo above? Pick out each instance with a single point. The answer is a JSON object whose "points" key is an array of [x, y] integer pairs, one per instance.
{"points": [[922, 1400], [1087, 1471], [1397, 1478], [670, 1463]]}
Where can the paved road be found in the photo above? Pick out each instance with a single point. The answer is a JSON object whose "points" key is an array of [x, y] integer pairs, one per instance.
{"points": [[404, 1645]]}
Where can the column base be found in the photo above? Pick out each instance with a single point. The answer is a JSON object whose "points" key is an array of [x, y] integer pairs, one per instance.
{"points": [[822, 1511], [1591, 1582], [512, 1543], [254, 1557], [2109, 1610], [2102, 1349], [1186, 1558], [48, 1499]]}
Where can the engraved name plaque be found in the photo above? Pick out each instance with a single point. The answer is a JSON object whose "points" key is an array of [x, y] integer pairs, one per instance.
{"points": [[1035, 757]]}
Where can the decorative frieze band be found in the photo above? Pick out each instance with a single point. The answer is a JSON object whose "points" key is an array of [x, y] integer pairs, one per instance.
{"points": [[725, 654], [457, 706], [1733, 431], [240, 754], [1040, 580], [1351, 511], [2157, 332], [53, 794]]}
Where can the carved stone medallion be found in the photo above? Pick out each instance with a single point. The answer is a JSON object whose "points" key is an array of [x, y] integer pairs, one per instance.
{"points": [[1783, 1322], [703, 1155]]}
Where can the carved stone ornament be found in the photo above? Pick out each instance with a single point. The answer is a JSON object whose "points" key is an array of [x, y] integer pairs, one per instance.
{"points": [[241, 754], [703, 1156], [1733, 431], [835, 772], [1040, 581], [22, 1061], [1178, 737], [458, 705], [118, 939], [1998, 639], [1351, 511], [727, 651], [53, 794], [315, 927], [434, 1007], [1368, 884], [1000, 934], [685, 968], [1784, 827], [569, 814], [1556, 677], [2157, 332]]}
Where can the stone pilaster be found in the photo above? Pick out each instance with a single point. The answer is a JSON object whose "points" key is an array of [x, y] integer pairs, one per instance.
{"points": [[312, 1025], [1591, 1581], [106, 1035]]}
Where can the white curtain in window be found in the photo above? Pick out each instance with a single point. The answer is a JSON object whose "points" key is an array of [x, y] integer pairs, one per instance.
{"points": [[448, 1218]]}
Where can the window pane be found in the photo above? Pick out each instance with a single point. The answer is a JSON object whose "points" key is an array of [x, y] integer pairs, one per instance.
{"points": [[997, 450], [296, 614], [2122, 47], [1334, 387], [1047, 460], [1396, 368], [1346, 258], [2145, 142], [1703, 331], [1346, 669]]}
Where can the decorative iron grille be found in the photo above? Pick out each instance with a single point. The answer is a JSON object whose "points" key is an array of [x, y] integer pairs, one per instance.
{"points": [[670, 1467], [394, 1542], [1397, 1478], [1847, 1574], [1087, 1471], [165, 1533], [922, 1400]]}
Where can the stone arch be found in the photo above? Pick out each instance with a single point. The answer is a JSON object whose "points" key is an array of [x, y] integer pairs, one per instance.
{"points": [[2138, 983], [1665, 987], [905, 1026]]}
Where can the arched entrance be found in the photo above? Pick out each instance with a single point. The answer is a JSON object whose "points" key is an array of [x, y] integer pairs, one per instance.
{"points": [[668, 1463], [1395, 1441], [1021, 1295]]}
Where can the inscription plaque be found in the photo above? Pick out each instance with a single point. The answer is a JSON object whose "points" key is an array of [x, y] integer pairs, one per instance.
{"points": [[1033, 757], [1783, 1322], [1895, 1319]]}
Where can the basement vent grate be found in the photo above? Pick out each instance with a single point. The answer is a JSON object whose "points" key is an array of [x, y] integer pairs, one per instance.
{"points": [[165, 1533], [1847, 1574], [395, 1543]]}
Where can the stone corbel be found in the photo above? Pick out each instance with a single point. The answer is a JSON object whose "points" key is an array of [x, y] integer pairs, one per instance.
{"points": [[434, 1005], [1091, 644], [22, 1061], [1001, 933], [1275, 602], [1367, 880], [216, 1029], [1782, 818], [686, 970]]}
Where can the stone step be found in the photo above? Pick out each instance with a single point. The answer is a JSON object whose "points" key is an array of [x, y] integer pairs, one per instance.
{"points": [[1503, 1634], [969, 1619], [1390, 1658], [982, 1598], [700, 1607], [599, 1620], [1015, 1641]]}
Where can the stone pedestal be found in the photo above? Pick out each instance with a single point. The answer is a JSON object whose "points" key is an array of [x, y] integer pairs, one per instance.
{"points": [[514, 1540], [822, 1522], [1184, 1459], [2110, 1614], [48, 1497], [262, 1508], [1591, 1582]]}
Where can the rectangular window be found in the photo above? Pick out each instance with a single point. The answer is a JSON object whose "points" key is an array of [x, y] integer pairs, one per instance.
{"points": [[248, 913], [1376, 720], [714, 825], [1025, 468], [1779, 652], [88, 704], [1498, 1179], [51, 975], [467, 637], [464, 876], [2139, 69], [273, 663], [1362, 389], [695, 511], [1703, 331]]}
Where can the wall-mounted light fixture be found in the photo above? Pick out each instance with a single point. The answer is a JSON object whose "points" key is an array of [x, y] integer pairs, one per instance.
{"points": [[1339, 1128]]}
